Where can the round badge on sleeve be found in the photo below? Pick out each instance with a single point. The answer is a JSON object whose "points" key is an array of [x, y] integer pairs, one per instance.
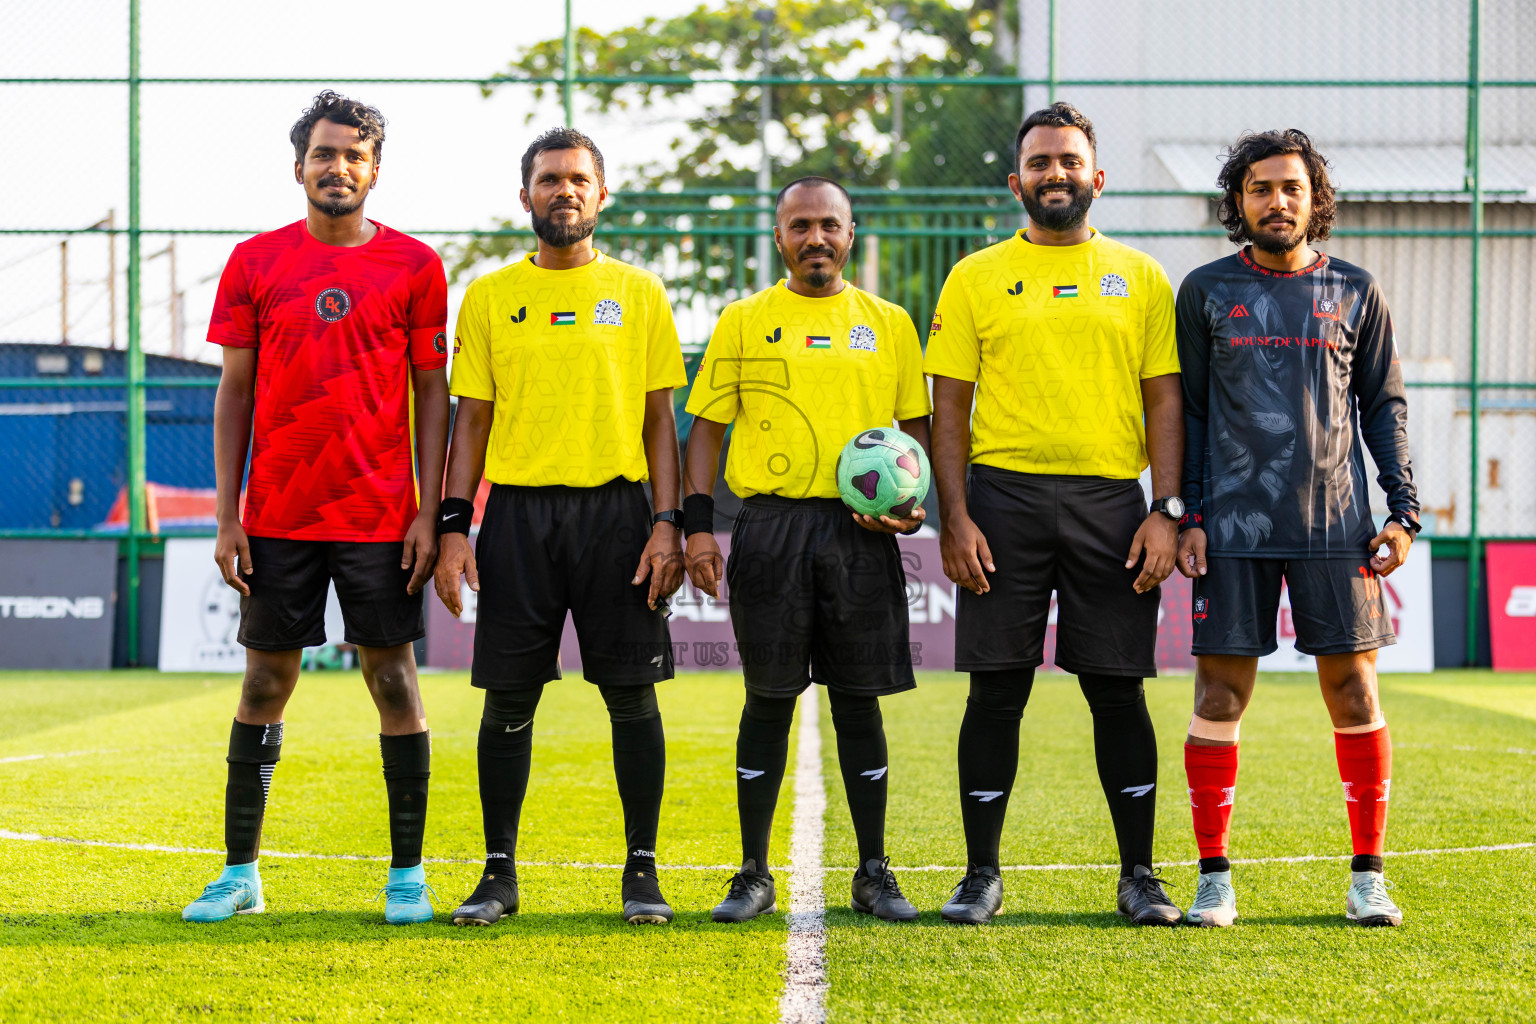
{"points": [[332, 304]]}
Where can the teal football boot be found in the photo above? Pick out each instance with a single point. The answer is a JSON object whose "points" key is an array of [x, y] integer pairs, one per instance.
{"points": [[407, 896], [237, 890]]}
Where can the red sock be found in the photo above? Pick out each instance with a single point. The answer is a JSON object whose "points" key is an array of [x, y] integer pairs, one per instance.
{"points": [[1212, 773], [1365, 766]]}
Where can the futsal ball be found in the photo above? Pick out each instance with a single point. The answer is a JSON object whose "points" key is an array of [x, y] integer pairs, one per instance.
{"points": [[883, 472]]}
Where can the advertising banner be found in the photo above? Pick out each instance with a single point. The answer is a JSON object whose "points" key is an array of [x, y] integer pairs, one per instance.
{"points": [[702, 636], [200, 613], [56, 603], [1410, 604], [1512, 605]]}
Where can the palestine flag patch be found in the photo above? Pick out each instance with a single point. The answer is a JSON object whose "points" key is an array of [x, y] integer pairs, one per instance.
{"points": [[818, 341], [1064, 291], [569, 319]]}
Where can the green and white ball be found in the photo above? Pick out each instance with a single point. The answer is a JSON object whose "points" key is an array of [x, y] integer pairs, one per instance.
{"points": [[883, 472]]}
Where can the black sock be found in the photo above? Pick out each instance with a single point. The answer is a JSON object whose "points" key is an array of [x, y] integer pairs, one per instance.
{"points": [[639, 767], [862, 757], [407, 767], [254, 751], [989, 757], [1368, 862], [1125, 749], [505, 754], [762, 750], [1210, 864]]}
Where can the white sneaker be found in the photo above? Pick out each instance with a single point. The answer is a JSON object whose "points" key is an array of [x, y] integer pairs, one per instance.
{"points": [[1215, 903], [1368, 903]]}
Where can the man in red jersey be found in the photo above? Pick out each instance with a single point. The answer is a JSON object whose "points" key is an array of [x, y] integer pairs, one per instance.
{"points": [[328, 326]]}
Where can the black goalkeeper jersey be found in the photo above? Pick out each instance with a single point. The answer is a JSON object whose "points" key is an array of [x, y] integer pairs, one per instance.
{"points": [[1279, 368]]}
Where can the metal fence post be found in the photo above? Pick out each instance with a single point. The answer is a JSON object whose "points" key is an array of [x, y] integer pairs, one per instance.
{"points": [[135, 368], [568, 69], [1475, 186]]}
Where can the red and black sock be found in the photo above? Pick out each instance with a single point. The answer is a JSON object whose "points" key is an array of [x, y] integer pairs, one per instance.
{"points": [[1212, 774], [1365, 767]]}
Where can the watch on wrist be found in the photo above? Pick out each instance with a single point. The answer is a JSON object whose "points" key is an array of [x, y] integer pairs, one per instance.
{"points": [[671, 515], [1172, 507]]}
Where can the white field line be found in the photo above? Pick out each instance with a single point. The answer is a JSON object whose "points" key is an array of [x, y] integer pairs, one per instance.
{"points": [[805, 972], [41, 757], [1306, 858]]}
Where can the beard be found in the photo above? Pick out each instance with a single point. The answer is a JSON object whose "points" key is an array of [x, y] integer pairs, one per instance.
{"points": [[563, 234], [1059, 218], [1279, 239], [825, 276], [338, 206]]}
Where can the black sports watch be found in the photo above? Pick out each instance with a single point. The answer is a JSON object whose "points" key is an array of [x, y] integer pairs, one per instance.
{"points": [[671, 515], [1172, 507]]}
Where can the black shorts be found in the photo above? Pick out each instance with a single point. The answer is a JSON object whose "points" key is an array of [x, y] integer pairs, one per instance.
{"points": [[1336, 606], [286, 609], [815, 597], [1069, 534], [545, 551]]}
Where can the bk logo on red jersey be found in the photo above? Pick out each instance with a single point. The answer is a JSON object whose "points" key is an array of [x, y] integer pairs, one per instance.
{"points": [[332, 304]]}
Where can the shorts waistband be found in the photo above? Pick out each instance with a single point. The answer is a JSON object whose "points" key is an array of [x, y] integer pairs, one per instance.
{"points": [[779, 503], [999, 473], [618, 483]]}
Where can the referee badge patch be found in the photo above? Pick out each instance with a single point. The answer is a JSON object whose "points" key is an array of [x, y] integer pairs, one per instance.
{"points": [[608, 312], [440, 343], [332, 304], [1114, 285], [862, 338]]}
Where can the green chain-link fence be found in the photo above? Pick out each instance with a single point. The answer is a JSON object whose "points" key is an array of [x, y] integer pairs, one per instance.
{"points": [[116, 225]]}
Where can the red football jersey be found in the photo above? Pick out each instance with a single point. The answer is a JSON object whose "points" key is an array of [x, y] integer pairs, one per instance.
{"points": [[336, 330]]}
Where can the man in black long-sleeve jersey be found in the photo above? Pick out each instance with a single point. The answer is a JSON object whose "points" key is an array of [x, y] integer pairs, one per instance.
{"points": [[1284, 350]]}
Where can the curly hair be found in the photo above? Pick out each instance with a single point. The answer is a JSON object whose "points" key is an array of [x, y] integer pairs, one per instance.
{"points": [[1057, 115], [1250, 148], [336, 108], [561, 138]]}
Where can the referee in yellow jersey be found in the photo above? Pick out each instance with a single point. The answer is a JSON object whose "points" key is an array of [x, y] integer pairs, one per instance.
{"points": [[817, 592], [565, 366], [1064, 341]]}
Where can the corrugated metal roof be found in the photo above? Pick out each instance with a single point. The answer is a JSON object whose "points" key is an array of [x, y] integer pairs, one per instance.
{"points": [[1382, 172]]}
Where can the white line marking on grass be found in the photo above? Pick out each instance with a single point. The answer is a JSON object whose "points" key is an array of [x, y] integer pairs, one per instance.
{"points": [[805, 974], [39, 757], [800, 867]]}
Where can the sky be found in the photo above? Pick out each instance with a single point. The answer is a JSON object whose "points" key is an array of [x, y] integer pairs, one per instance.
{"points": [[217, 156]]}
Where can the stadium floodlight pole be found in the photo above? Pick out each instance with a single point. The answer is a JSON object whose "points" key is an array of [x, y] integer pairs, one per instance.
{"points": [[1050, 74], [569, 67], [764, 17], [1475, 187], [135, 361]]}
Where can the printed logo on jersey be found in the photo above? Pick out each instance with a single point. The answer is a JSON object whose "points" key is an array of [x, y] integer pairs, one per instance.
{"points": [[1201, 604], [862, 338], [332, 304], [562, 319], [1114, 286], [1064, 291], [440, 343], [522, 314], [936, 326], [608, 312], [818, 341], [1237, 311], [1325, 309], [775, 337], [1018, 286], [457, 344]]}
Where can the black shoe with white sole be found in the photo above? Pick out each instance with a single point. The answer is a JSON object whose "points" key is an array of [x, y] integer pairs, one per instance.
{"points": [[643, 902]]}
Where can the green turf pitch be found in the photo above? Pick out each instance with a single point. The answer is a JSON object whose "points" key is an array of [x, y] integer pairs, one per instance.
{"points": [[94, 933]]}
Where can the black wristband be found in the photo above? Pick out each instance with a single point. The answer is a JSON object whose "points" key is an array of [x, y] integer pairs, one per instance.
{"points": [[698, 514], [454, 515], [1191, 520], [1407, 522]]}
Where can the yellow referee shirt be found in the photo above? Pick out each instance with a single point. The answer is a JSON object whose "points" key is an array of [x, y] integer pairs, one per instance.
{"points": [[1057, 340], [800, 376], [567, 356]]}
